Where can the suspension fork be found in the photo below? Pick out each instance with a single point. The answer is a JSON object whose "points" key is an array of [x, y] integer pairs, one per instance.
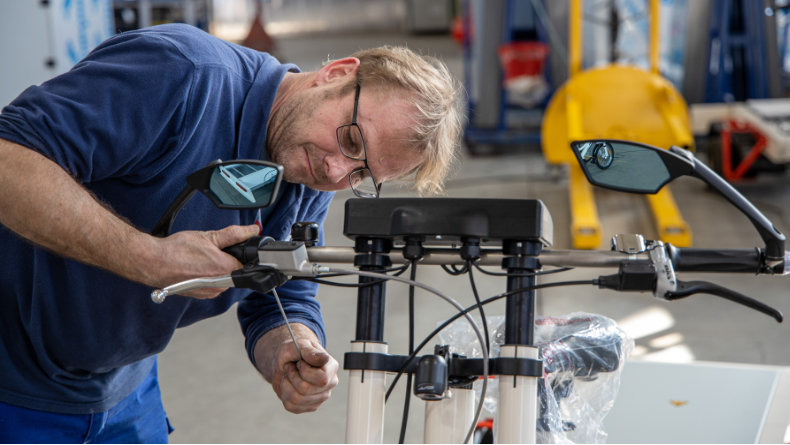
{"points": [[518, 395], [367, 388]]}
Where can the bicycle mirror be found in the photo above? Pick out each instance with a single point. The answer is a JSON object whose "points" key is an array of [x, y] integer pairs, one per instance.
{"points": [[240, 184], [628, 166]]}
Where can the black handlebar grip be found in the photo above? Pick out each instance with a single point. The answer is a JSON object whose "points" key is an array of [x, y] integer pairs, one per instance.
{"points": [[715, 260], [247, 251]]}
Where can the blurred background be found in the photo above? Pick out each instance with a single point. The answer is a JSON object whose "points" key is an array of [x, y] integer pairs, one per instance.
{"points": [[708, 75]]}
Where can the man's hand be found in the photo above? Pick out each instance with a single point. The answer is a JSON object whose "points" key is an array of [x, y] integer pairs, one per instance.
{"points": [[303, 385], [40, 202], [187, 255]]}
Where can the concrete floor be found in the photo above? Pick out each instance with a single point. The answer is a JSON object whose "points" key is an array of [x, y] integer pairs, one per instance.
{"points": [[213, 395]]}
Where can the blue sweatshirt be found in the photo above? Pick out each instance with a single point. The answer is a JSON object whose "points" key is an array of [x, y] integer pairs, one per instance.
{"points": [[130, 122]]}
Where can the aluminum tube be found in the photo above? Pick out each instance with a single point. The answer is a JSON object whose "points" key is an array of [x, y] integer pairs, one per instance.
{"points": [[518, 401], [366, 389], [489, 257], [587, 258], [345, 255], [447, 420]]}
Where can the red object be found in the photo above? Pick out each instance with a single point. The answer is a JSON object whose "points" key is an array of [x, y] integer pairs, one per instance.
{"points": [[257, 38], [487, 423], [522, 58], [457, 30], [732, 126]]}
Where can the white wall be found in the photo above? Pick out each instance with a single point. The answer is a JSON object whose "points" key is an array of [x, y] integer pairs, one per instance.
{"points": [[33, 32]]}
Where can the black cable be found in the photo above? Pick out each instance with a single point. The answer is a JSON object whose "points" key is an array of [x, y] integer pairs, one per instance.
{"points": [[525, 274], [403, 269], [405, 420], [411, 356], [399, 270], [455, 271], [334, 283], [482, 312]]}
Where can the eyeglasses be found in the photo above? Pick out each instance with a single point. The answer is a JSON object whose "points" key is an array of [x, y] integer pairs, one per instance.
{"points": [[352, 145]]}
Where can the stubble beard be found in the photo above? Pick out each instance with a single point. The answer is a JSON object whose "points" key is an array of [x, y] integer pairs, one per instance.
{"points": [[282, 144]]}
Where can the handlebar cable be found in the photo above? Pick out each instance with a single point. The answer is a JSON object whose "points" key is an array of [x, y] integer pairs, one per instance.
{"points": [[455, 304], [477, 300], [430, 336], [526, 274], [455, 272], [397, 270], [405, 420], [400, 271]]}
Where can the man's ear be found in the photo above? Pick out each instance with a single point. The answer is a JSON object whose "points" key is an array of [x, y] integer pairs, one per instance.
{"points": [[337, 71]]}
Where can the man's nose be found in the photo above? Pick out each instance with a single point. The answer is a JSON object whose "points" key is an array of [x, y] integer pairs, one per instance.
{"points": [[338, 167]]}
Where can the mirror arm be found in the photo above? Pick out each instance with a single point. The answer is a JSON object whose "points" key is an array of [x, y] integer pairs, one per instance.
{"points": [[165, 223], [773, 238]]}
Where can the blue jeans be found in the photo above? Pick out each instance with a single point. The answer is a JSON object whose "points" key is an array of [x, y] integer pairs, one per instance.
{"points": [[139, 418]]}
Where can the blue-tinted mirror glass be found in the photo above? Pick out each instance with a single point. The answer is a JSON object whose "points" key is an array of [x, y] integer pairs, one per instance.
{"points": [[622, 165], [243, 184]]}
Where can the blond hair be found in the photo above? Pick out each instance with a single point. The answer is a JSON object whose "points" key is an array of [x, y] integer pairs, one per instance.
{"points": [[435, 95]]}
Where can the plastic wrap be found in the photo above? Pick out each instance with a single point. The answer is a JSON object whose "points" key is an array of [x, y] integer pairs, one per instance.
{"points": [[582, 354]]}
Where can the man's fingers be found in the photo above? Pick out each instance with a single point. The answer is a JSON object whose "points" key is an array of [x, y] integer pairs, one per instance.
{"points": [[233, 235], [286, 353], [296, 402], [313, 356], [308, 380], [324, 377]]}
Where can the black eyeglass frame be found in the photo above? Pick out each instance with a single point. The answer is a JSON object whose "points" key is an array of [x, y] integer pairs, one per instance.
{"points": [[364, 157]]}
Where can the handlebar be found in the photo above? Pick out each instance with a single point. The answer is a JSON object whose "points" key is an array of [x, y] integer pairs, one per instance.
{"points": [[683, 259], [716, 260], [488, 257], [269, 263]]}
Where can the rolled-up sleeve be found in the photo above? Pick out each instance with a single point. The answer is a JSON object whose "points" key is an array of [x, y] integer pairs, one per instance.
{"points": [[258, 313]]}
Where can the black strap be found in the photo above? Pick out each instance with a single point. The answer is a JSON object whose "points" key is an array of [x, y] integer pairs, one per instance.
{"points": [[460, 367]]}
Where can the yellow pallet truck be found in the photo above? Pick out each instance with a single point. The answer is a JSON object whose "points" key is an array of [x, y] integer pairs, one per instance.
{"points": [[615, 102]]}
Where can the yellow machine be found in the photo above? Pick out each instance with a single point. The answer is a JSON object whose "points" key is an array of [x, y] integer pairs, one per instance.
{"points": [[617, 102]]}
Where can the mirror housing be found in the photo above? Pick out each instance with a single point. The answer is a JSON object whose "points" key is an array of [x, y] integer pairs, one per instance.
{"points": [[641, 168], [627, 166], [239, 184], [214, 180]]}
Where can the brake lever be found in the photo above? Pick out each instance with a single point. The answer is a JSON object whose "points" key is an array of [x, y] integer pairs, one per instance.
{"points": [[252, 276], [688, 288]]}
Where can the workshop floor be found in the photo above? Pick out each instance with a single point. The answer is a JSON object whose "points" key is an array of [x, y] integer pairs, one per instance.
{"points": [[213, 395]]}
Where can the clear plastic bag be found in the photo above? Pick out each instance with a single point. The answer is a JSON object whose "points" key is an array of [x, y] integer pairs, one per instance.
{"points": [[582, 357]]}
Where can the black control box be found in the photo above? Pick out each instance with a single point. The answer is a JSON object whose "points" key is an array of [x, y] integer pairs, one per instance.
{"points": [[444, 221]]}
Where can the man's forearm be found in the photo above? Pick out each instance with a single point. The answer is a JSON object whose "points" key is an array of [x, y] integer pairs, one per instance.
{"points": [[42, 203], [266, 346]]}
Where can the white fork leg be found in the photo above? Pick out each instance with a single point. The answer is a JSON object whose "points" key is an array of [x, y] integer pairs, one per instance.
{"points": [[366, 390], [518, 401], [448, 420]]}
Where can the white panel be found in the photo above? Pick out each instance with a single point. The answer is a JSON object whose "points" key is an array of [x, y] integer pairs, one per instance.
{"points": [[25, 48], [691, 403], [78, 26], [34, 32]]}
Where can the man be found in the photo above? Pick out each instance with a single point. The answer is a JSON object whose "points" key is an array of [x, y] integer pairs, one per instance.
{"points": [[92, 158]]}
